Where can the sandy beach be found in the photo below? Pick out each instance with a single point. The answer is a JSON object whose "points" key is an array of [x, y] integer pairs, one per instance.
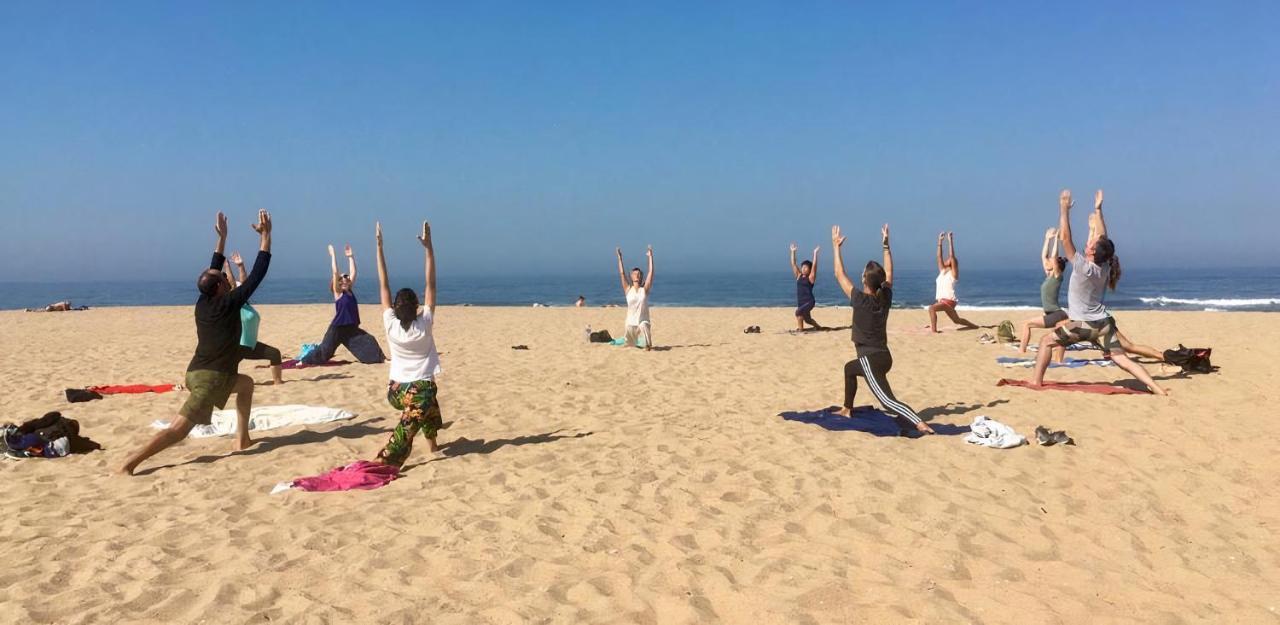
{"points": [[598, 484]]}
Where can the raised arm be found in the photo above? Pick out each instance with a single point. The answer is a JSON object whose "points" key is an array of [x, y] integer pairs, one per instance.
{"points": [[951, 246], [220, 228], [384, 287], [813, 266], [1047, 259], [622, 271], [239, 264], [333, 272], [240, 295], [1064, 223], [351, 265], [888, 255], [429, 266], [1097, 224], [795, 269], [648, 276], [837, 240], [941, 236]]}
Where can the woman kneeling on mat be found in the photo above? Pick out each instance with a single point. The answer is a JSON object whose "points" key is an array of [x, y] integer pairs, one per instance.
{"points": [[1050, 289], [345, 328], [945, 290], [414, 360], [870, 316]]}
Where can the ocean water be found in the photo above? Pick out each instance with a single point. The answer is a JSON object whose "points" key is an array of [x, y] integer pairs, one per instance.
{"points": [[1201, 289]]}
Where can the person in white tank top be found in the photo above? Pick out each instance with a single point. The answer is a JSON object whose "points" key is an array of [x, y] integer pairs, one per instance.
{"points": [[639, 332], [945, 291]]}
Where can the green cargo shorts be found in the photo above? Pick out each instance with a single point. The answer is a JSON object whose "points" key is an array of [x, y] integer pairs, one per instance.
{"points": [[208, 390]]}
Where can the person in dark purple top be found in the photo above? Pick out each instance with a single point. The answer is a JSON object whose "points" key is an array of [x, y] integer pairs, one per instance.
{"points": [[345, 328]]}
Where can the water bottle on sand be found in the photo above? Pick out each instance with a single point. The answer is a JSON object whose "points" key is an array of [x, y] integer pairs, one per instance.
{"points": [[586, 334]]}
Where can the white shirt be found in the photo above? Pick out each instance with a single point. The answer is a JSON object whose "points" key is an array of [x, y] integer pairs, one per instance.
{"points": [[637, 306], [946, 285], [413, 351]]}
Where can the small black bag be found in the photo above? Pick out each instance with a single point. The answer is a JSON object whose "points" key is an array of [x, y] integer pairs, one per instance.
{"points": [[1191, 359], [601, 336]]}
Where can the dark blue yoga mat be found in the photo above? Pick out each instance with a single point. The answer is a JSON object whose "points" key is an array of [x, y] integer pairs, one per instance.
{"points": [[871, 421]]}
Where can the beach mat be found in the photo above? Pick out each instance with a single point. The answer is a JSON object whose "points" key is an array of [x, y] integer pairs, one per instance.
{"points": [[359, 475], [1083, 387], [1069, 363], [130, 389], [866, 420], [294, 363], [223, 422]]}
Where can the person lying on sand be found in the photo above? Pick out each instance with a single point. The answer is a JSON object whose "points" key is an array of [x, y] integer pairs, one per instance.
{"points": [[63, 306], [213, 376], [871, 304], [1092, 272]]}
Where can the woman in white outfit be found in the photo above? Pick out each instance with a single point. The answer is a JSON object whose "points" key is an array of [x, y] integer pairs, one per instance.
{"points": [[637, 291], [945, 292]]}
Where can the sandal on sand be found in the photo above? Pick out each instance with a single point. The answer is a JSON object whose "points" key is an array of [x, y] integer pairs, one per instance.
{"points": [[986, 339], [1047, 438]]}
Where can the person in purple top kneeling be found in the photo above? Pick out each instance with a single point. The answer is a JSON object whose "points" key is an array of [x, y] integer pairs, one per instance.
{"points": [[345, 328]]}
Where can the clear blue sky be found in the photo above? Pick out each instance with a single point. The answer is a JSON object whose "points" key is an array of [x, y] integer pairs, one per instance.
{"points": [[537, 136]]}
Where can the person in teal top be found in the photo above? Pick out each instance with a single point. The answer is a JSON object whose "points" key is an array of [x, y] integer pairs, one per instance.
{"points": [[250, 347], [1050, 289]]}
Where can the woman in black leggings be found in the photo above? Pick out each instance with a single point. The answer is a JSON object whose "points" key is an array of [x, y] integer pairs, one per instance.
{"points": [[870, 316]]}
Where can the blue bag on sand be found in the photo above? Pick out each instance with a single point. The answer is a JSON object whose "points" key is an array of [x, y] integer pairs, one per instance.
{"points": [[307, 348]]}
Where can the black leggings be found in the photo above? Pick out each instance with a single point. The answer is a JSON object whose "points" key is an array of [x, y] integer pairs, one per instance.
{"points": [[261, 351], [361, 344], [874, 367]]}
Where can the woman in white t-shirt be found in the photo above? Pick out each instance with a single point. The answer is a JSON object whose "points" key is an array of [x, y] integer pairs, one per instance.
{"points": [[637, 291], [414, 360], [945, 286]]}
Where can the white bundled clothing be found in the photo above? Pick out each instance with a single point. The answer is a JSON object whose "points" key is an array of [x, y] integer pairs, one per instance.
{"points": [[991, 433]]}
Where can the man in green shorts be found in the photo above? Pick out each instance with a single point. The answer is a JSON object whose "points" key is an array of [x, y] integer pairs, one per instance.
{"points": [[213, 373]]}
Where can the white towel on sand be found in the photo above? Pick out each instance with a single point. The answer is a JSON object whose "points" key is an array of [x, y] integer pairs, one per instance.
{"points": [[265, 418], [991, 433]]}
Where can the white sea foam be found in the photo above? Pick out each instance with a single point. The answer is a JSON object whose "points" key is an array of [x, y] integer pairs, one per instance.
{"points": [[1216, 303]]}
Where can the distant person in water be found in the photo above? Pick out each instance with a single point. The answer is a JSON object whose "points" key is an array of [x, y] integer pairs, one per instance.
{"points": [[345, 328], [1053, 266], [213, 376], [415, 362], [582, 301], [945, 285], [871, 302], [63, 306], [636, 290], [806, 277], [250, 347], [1092, 272]]}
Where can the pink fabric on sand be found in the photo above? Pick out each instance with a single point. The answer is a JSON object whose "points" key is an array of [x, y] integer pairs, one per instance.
{"points": [[1083, 387], [359, 475]]}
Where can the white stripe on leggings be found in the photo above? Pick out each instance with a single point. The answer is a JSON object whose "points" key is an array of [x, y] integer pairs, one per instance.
{"points": [[884, 398]]}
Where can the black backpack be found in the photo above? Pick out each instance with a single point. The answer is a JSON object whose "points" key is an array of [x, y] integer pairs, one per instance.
{"points": [[601, 336], [1191, 359]]}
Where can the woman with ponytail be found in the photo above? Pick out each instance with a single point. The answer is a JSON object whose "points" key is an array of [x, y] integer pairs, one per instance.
{"points": [[414, 360], [871, 305]]}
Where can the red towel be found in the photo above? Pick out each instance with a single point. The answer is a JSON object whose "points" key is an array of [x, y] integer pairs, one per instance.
{"points": [[1083, 387], [131, 389], [293, 363], [359, 475]]}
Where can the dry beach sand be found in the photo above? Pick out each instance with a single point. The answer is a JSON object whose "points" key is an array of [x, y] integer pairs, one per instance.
{"points": [[597, 484]]}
